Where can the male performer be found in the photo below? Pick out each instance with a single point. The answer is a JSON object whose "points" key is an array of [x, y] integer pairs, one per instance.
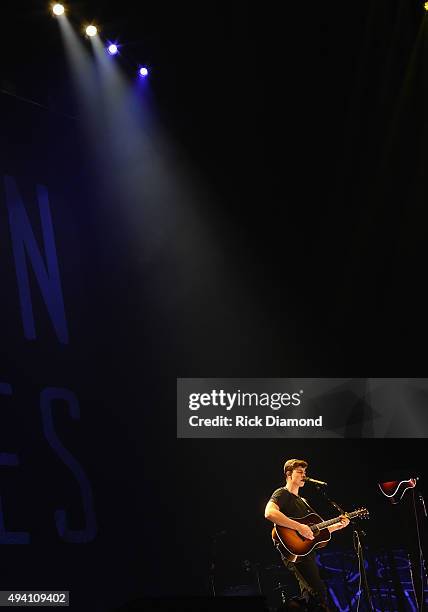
{"points": [[285, 503]]}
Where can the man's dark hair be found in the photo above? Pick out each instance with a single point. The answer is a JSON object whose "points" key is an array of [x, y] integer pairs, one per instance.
{"points": [[292, 464]]}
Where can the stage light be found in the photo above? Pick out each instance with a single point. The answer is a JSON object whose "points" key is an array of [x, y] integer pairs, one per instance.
{"points": [[58, 9], [112, 49], [91, 30], [143, 71], [426, 6]]}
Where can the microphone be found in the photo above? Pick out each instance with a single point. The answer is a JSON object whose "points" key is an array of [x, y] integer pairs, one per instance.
{"points": [[315, 482]]}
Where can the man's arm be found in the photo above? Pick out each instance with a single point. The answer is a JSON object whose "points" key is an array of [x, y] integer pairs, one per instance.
{"points": [[274, 514]]}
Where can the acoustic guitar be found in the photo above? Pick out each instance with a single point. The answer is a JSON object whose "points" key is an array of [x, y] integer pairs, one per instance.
{"points": [[395, 489], [295, 547]]}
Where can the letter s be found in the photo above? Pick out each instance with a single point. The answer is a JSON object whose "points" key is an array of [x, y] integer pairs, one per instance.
{"points": [[47, 397], [10, 537], [296, 399]]}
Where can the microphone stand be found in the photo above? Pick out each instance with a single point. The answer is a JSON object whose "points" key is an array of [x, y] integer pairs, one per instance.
{"points": [[419, 596], [213, 561], [356, 536], [212, 567]]}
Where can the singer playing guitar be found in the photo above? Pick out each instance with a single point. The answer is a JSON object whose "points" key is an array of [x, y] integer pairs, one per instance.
{"points": [[286, 503]]}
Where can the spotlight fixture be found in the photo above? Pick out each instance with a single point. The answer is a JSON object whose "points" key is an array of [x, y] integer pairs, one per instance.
{"points": [[91, 30], [112, 49], [426, 6], [143, 72], [58, 9]]}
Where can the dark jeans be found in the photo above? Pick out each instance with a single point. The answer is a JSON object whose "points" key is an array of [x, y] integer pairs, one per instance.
{"points": [[311, 586]]}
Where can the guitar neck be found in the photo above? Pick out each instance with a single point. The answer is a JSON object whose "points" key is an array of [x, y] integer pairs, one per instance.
{"points": [[330, 522]]}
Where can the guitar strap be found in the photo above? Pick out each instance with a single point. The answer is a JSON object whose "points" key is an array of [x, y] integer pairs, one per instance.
{"points": [[306, 504]]}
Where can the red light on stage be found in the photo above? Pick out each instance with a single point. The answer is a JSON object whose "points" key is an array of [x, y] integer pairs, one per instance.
{"points": [[395, 489]]}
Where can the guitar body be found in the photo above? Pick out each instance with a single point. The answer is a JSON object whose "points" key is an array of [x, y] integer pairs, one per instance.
{"points": [[293, 546]]}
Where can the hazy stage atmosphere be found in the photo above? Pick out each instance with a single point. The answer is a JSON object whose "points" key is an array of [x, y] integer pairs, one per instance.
{"points": [[203, 191]]}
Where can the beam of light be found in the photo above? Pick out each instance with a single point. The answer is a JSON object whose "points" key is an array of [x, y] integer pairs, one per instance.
{"points": [[169, 217], [143, 72], [88, 95], [58, 9], [112, 49], [158, 193], [81, 66], [91, 30]]}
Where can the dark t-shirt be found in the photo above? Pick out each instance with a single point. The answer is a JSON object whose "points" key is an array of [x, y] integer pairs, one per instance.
{"points": [[289, 504]]}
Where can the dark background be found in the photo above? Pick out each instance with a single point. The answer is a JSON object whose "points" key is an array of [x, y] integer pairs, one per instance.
{"points": [[306, 130]]}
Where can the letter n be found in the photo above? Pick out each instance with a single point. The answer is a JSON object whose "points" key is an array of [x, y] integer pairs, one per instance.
{"points": [[24, 244]]}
